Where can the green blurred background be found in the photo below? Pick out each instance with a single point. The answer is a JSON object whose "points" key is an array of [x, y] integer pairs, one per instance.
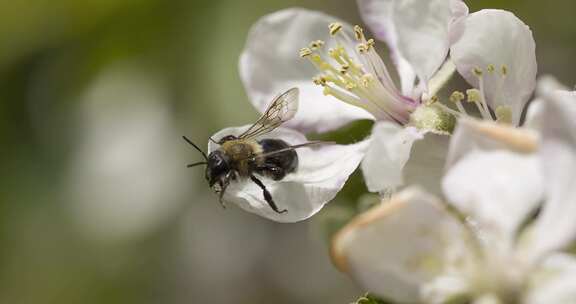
{"points": [[96, 205]]}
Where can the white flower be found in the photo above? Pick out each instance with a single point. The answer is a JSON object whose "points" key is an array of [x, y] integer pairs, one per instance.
{"points": [[501, 236], [358, 85]]}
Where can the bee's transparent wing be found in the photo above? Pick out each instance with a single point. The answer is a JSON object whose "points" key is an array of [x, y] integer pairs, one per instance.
{"points": [[282, 109], [294, 147]]}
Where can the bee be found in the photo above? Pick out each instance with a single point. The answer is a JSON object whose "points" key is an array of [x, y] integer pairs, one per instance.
{"points": [[244, 157]]}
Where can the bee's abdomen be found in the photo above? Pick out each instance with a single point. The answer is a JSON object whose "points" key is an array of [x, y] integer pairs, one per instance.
{"points": [[276, 166]]}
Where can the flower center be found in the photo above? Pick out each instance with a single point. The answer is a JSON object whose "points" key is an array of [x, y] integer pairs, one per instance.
{"points": [[477, 97], [353, 72]]}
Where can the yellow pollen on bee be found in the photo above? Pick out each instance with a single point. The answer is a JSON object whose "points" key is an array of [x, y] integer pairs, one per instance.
{"points": [[334, 28], [457, 97], [474, 95]]}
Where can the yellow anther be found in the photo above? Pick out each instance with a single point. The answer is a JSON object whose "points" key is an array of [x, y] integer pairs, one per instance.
{"points": [[457, 97], [359, 33], [503, 114], [474, 95], [350, 86], [327, 91], [334, 28], [477, 71], [491, 68], [319, 80], [304, 52], [370, 43], [504, 70], [361, 48], [431, 101], [367, 80], [343, 69], [316, 44]]}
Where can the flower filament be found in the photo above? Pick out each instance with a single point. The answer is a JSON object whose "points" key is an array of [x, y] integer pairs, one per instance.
{"points": [[353, 72], [477, 97]]}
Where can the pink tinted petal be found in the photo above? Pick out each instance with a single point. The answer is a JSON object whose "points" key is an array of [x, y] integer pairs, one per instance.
{"points": [[407, 26], [270, 64]]}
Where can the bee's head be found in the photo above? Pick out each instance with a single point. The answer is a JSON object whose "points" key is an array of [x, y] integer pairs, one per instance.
{"points": [[218, 166]]}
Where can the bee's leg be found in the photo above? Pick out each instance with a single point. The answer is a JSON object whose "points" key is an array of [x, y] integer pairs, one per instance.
{"points": [[223, 185], [272, 171], [267, 195]]}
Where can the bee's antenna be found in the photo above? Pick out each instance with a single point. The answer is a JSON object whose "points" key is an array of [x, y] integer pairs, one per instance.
{"points": [[212, 140], [196, 164], [195, 147]]}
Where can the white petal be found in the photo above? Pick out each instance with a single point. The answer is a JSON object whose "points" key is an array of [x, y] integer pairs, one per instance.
{"points": [[546, 85], [377, 14], [554, 282], [270, 64], [498, 38], [389, 150], [472, 134], [498, 189], [439, 80], [534, 114], [426, 164], [407, 26], [556, 226], [445, 288], [321, 173], [396, 247]]}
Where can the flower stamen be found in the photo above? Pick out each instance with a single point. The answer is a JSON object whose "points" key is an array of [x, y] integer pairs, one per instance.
{"points": [[456, 97], [475, 96], [354, 73]]}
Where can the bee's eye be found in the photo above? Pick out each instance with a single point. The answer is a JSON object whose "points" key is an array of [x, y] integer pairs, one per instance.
{"points": [[218, 161]]}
